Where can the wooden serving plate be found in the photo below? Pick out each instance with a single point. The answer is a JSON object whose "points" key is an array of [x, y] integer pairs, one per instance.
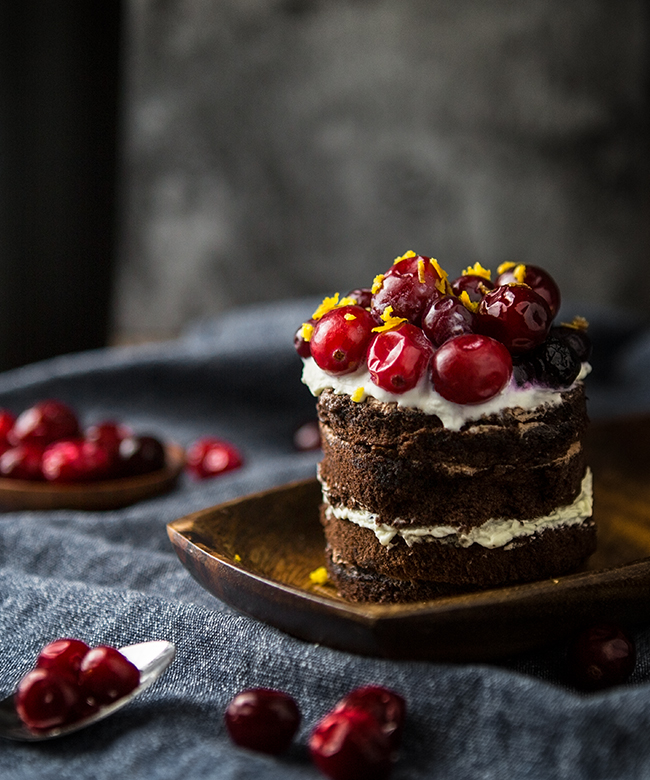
{"points": [[256, 553], [17, 494]]}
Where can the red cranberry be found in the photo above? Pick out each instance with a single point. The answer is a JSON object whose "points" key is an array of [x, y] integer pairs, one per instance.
{"points": [[362, 295], [350, 744], [108, 433], [340, 339], [398, 358], [471, 369], [76, 461], [539, 280], [445, 318], [106, 675], [7, 422], [386, 706], [601, 656], [22, 462], [45, 422], [516, 316], [140, 455], [209, 457], [475, 286], [307, 437], [63, 656], [408, 287], [46, 699], [262, 719]]}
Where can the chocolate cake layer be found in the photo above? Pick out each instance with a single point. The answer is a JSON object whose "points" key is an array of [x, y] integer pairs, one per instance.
{"points": [[409, 492], [515, 435], [364, 570]]}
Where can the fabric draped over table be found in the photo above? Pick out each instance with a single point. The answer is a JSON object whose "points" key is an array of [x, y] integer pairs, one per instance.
{"points": [[112, 577]]}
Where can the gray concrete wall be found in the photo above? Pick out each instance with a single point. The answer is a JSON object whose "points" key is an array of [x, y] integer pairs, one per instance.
{"points": [[279, 148]]}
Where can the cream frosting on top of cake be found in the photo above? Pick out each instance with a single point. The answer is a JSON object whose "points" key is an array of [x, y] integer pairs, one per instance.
{"points": [[496, 532], [359, 386]]}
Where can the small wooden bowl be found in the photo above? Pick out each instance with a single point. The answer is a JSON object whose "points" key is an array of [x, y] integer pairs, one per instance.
{"points": [[256, 554], [17, 494]]}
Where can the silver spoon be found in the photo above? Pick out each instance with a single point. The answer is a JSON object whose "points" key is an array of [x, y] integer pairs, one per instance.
{"points": [[151, 658]]}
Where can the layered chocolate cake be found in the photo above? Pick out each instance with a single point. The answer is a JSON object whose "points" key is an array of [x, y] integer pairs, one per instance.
{"points": [[451, 418]]}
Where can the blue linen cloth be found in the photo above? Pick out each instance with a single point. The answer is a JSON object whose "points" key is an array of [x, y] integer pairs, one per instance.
{"points": [[112, 577]]}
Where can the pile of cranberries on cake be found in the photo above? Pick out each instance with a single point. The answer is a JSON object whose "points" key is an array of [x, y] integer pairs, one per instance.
{"points": [[70, 681], [357, 739], [468, 338], [46, 442]]}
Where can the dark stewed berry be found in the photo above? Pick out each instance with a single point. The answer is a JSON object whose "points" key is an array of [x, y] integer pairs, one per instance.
{"points": [[105, 675], [556, 364], [408, 286], [398, 358], [576, 338], [340, 339], [302, 338], [140, 455], [516, 316], [386, 706], [210, 456], [262, 719], [45, 699], [22, 462], [475, 286], [350, 744], [45, 422], [445, 318], [362, 295], [471, 369], [536, 278], [600, 656]]}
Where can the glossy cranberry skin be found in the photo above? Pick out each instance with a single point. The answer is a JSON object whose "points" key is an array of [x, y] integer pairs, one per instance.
{"points": [[409, 286], [350, 744], [516, 316], [106, 675], [76, 461], [398, 358], [140, 455], [63, 656], [362, 295], [45, 422], [7, 422], [307, 437], [475, 286], [539, 280], [22, 462], [340, 339], [45, 699], [386, 706], [601, 656], [445, 318], [262, 719], [471, 369], [210, 456]]}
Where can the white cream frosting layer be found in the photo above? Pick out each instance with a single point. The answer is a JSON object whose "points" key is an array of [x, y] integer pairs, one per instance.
{"points": [[424, 397], [493, 533]]}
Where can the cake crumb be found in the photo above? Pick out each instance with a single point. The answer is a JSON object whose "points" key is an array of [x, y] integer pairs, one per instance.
{"points": [[318, 576]]}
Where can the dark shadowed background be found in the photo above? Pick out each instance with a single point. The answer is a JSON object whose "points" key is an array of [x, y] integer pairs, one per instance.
{"points": [[276, 148]]}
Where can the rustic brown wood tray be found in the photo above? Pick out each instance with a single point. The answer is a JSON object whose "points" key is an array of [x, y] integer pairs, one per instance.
{"points": [[16, 494], [256, 553]]}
